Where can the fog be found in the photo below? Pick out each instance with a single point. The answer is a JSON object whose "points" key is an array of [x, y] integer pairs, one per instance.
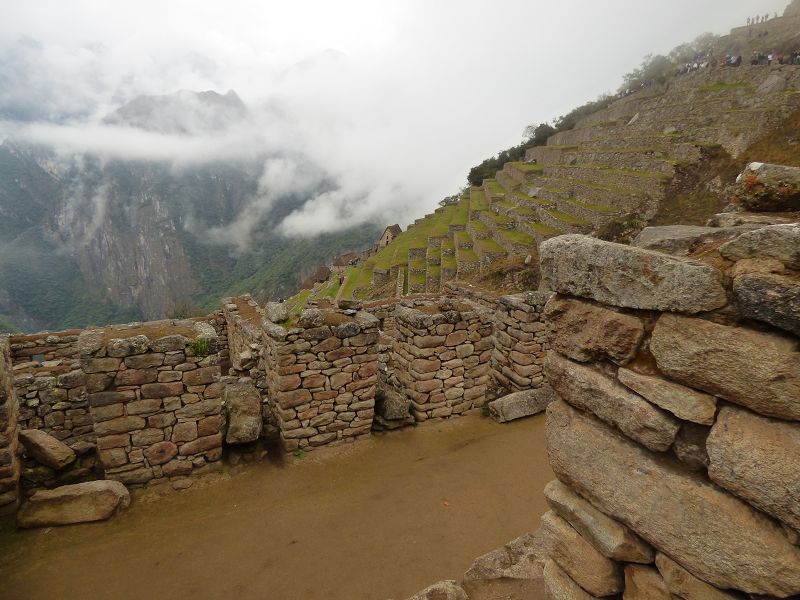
{"points": [[391, 102]]}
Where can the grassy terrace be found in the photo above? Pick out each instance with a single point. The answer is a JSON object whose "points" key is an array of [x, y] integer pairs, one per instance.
{"points": [[460, 215], [532, 199], [461, 237], [449, 262], [478, 226], [477, 199], [519, 237], [417, 278], [434, 272], [447, 244], [489, 245], [545, 230], [494, 186], [498, 218], [418, 265], [610, 169], [466, 255], [593, 206], [356, 278], [596, 186], [568, 218]]}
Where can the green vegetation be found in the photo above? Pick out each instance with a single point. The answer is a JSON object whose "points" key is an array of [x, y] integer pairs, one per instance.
{"points": [[535, 135], [489, 246], [477, 199], [519, 237], [200, 347], [528, 167], [568, 218]]}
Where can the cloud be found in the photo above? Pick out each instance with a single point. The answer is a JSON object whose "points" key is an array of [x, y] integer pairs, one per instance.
{"points": [[388, 104]]}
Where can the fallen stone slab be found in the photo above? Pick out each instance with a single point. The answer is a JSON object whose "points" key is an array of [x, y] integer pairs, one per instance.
{"points": [[585, 331], [758, 459], [45, 449], [595, 573], [243, 408], [521, 404], [711, 533], [781, 242], [685, 585], [685, 403], [719, 359], [442, 590], [680, 240], [522, 558], [560, 586], [77, 503], [590, 390], [764, 186], [610, 537], [629, 277], [771, 298]]}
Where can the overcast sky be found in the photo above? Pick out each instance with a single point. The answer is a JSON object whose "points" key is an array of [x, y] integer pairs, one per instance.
{"points": [[396, 101]]}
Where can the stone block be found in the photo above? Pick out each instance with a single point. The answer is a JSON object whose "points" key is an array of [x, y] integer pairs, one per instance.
{"points": [[168, 343], [45, 449], [162, 390], [771, 298], [585, 331], [756, 369], [758, 459], [135, 376], [145, 437], [690, 445], [160, 452], [145, 361], [645, 583], [560, 586], [685, 585], [610, 537], [199, 409], [201, 376], [629, 277], [243, 408], [119, 425], [107, 398], [715, 535], [685, 403], [594, 572], [521, 404], [78, 503], [590, 390], [143, 407], [100, 365], [201, 444], [779, 242]]}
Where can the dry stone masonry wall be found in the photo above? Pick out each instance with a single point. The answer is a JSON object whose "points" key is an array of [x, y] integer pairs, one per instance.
{"points": [[676, 434], [9, 460]]}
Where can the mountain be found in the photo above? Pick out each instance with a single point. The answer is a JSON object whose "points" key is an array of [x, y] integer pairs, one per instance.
{"points": [[87, 239]]}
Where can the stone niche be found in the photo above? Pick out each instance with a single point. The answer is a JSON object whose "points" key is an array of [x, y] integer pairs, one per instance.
{"points": [[442, 356], [155, 399], [322, 376]]}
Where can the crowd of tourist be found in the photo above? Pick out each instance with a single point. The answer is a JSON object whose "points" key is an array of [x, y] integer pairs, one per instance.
{"points": [[759, 58], [759, 19]]}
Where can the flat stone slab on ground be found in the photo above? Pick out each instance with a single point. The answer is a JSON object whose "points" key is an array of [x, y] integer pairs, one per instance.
{"points": [[77, 503]]}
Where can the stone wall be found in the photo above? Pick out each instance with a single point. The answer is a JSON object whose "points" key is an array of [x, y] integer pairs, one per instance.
{"points": [[676, 436], [9, 460], [442, 356], [154, 397], [322, 376]]}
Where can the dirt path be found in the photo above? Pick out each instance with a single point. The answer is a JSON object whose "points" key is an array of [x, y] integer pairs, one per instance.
{"points": [[377, 519]]}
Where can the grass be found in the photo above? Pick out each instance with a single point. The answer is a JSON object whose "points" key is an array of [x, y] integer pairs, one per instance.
{"points": [[355, 278], [519, 237], [532, 199], [721, 86], [494, 187], [498, 218], [466, 255], [461, 213], [295, 304], [477, 199], [545, 229], [434, 272], [527, 167], [417, 279], [568, 218], [462, 237], [593, 206], [418, 265], [478, 226], [449, 262], [489, 246]]}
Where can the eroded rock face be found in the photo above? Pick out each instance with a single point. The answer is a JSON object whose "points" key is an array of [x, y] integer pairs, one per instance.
{"points": [[612, 538], [45, 449], [560, 586], [685, 585], [774, 299], [584, 331], [78, 503], [685, 403], [594, 572], [521, 404], [758, 459], [591, 390], [243, 407], [714, 535], [755, 369], [780, 242], [629, 277]]}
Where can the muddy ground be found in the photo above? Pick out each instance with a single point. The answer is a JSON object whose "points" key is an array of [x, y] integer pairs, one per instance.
{"points": [[376, 519]]}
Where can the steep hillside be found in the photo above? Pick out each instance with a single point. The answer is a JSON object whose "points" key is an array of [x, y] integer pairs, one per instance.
{"points": [[660, 155], [89, 240]]}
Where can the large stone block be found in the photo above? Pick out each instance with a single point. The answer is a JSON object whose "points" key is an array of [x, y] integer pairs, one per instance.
{"points": [[629, 277], [752, 368], [774, 299], [685, 403], [716, 536], [758, 459], [768, 187], [45, 449], [78, 503], [591, 390], [594, 572], [560, 586], [521, 558], [780, 242], [521, 404], [584, 331], [685, 585], [610, 537], [243, 407]]}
